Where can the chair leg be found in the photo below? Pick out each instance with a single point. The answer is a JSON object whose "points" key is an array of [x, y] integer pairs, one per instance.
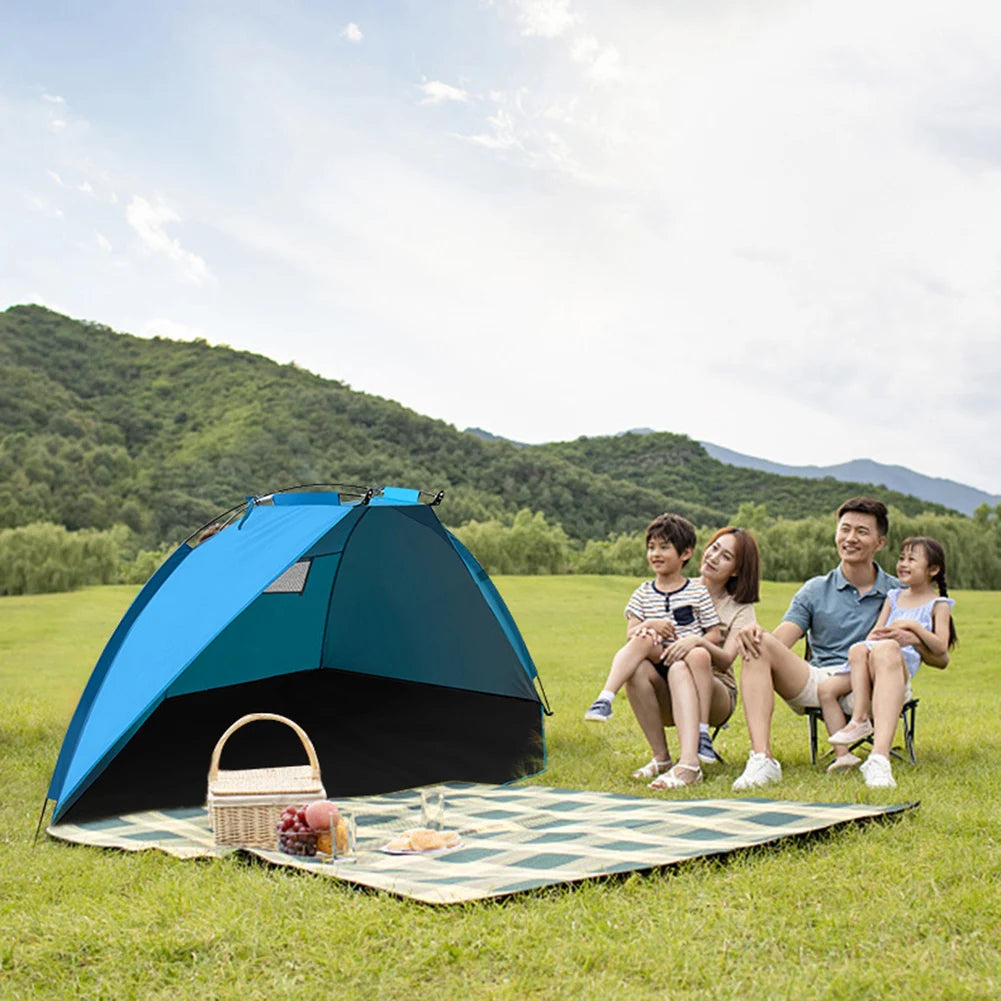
{"points": [[722, 726], [908, 718], [813, 737]]}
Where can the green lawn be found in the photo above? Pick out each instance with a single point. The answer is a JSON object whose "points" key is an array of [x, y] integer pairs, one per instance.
{"points": [[909, 908]]}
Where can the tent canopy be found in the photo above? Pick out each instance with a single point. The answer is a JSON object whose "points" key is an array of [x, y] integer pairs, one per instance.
{"points": [[366, 622]]}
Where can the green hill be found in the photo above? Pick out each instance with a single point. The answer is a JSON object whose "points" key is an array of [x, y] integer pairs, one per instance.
{"points": [[98, 427]]}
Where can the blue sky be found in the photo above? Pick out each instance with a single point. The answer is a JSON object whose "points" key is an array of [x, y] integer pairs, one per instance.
{"points": [[774, 226]]}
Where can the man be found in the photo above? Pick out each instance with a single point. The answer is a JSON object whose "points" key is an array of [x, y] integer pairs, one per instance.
{"points": [[833, 612]]}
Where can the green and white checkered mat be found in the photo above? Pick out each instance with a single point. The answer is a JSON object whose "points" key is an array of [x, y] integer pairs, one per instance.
{"points": [[513, 838]]}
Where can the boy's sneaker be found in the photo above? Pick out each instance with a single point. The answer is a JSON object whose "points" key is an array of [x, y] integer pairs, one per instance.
{"points": [[600, 711], [877, 772], [707, 753], [759, 771]]}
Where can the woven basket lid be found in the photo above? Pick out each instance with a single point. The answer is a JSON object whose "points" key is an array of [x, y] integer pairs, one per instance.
{"points": [[271, 781]]}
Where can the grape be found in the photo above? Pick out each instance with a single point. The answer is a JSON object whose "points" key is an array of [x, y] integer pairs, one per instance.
{"points": [[294, 835]]}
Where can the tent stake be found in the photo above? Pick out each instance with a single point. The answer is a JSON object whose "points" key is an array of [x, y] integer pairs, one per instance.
{"points": [[41, 817]]}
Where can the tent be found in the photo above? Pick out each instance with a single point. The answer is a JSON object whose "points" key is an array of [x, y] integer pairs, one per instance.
{"points": [[359, 617]]}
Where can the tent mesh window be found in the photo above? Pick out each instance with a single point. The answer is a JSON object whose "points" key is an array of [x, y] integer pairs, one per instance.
{"points": [[293, 581]]}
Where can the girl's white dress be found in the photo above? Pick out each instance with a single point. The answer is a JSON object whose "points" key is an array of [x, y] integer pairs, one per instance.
{"points": [[922, 615]]}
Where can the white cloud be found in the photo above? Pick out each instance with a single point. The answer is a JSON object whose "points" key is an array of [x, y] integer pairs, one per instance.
{"points": [[352, 33], [435, 92], [53, 99], [44, 207], [85, 186], [545, 18], [104, 243], [502, 133], [603, 63], [148, 220]]}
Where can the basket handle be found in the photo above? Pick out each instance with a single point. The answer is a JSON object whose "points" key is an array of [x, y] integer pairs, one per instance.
{"points": [[253, 717]]}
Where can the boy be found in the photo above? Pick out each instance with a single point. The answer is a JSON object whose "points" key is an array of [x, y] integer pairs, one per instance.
{"points": [[660, 611]]}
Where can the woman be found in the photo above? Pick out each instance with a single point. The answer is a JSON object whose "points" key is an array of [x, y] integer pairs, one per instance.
{"points": [[691, 700]]}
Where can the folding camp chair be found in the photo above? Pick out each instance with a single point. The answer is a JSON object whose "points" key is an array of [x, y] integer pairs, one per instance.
{"points": [[813, 714]]}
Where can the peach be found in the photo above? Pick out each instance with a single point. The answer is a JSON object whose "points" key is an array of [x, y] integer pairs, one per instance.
{"points": [[320, 814]]}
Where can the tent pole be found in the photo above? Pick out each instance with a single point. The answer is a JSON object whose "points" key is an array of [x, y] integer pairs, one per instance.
{"points": [[545, 699]]}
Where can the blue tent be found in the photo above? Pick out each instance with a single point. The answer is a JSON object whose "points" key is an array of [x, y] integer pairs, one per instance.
{"points": [[363, 620]]}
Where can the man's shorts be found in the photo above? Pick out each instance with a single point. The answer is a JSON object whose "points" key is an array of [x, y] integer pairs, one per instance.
{"points": [[808, 699]]}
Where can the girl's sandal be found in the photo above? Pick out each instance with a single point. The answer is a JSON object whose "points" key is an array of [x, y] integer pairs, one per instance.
{"points": [[652, 769], [673, 779]]}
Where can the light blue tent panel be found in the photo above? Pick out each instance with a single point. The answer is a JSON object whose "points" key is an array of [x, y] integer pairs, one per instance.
{"points": [[274, 634], [188, 610]]}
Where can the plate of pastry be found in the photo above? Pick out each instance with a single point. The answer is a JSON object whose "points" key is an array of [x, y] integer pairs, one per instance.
{"points": [[422, 841]]}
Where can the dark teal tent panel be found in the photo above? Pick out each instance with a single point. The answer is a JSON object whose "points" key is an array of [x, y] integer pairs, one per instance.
{"points": [[496, 603], [414, 612]]}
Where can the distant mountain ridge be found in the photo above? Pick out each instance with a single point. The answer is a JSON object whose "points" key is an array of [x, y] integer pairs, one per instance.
{"points": [[957, 496], [953, 495]]}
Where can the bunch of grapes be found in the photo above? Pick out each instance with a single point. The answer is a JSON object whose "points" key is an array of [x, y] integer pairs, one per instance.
{"points": [[294, 835]]}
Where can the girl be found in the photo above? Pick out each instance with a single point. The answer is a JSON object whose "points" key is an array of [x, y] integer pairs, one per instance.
{"points": [[914, 621], [690, 699]]}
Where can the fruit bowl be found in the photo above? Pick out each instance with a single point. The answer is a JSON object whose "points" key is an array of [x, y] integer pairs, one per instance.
{"points": [[299, 843], [295, 837]]}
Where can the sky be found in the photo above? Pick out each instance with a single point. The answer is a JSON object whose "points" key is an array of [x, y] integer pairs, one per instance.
{"points": [[774, 226]]}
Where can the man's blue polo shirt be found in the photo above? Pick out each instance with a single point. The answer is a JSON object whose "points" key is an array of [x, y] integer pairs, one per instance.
{"points": [[834, 615]]}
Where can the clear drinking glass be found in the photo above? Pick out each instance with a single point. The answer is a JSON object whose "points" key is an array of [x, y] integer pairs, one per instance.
{"points": [[349, 836], [433, 808]]}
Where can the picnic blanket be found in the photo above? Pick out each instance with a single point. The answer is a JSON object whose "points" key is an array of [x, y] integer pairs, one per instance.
{"points": [[513, 838]]}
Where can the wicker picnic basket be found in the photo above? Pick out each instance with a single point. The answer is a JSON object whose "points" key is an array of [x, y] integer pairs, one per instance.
{"points": [[245, 805]]}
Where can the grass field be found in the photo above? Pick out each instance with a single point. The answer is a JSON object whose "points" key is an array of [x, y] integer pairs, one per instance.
{"points": [[910, 908]]}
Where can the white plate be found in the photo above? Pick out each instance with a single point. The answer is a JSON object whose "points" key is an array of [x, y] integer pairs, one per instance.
{"points": [[415, 851]]}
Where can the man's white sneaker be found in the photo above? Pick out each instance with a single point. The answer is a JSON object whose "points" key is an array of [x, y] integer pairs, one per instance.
{"points": [[877, 772], [759, 771]]}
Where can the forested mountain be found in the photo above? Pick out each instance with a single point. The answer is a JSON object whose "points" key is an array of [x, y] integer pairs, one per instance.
{"points": [[98, 427], [680, 467]]}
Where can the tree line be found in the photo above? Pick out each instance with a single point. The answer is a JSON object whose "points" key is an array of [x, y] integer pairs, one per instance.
{"points": [[42, 557], [791, 549]]}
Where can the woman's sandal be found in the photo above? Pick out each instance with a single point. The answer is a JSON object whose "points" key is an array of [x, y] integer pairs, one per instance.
{"points": [[652, 769], [673, 780]]}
